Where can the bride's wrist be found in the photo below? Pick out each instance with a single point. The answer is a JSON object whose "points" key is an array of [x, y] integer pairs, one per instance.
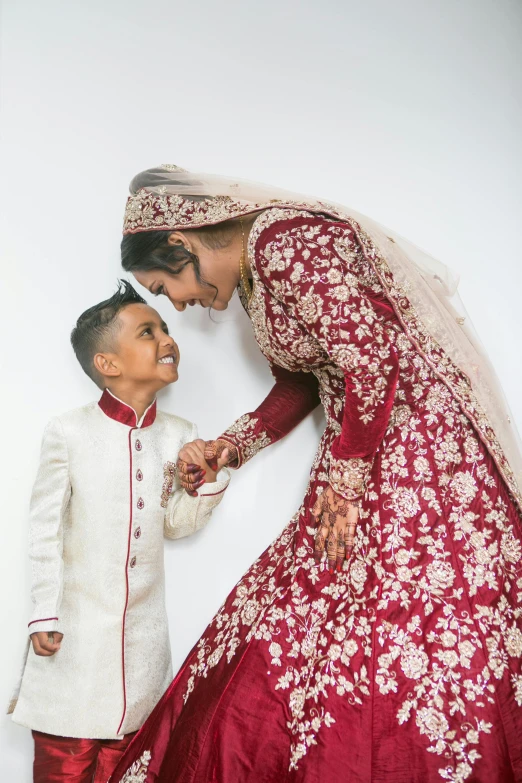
{"points": [[233, 454]]}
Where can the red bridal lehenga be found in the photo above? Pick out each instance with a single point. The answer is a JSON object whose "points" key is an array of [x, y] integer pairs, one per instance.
{"points": [[406, 666]]}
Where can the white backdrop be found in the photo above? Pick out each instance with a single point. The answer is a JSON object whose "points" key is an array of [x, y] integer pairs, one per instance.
{"points": [[407, 111]]}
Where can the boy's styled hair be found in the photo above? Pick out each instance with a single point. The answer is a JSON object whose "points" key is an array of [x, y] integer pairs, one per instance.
{"points": [[97, 327]]}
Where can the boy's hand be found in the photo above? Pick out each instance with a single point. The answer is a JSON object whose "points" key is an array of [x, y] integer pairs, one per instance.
{"points": [[46, 643], [194, 470]]}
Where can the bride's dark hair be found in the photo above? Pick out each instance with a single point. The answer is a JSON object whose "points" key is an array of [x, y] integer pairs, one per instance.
{"points": [[150, 250]]}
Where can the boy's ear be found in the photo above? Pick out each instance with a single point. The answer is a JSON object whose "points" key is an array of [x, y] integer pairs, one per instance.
{"points": [[107, 365]]}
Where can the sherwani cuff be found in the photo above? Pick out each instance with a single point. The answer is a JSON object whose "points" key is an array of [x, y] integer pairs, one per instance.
{"points": [[186, 515], [215, 489], [45, 623]]}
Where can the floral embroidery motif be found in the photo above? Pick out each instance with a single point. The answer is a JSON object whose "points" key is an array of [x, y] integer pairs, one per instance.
{"points": [[137, 773], [169, 475], [146, 211], [242, 434], [348, 477]]}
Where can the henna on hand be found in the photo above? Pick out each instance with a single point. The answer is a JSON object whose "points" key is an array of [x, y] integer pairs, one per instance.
{"points": [[200, 461], [349, 538], [337, 523], [214, 450], [191, 476], [341, 550], [331, 549]]}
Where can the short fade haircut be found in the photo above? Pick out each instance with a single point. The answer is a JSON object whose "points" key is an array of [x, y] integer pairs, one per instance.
{"points": [[97, 327]]}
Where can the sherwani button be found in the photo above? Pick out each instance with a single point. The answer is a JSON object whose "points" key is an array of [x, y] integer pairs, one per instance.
{"points": [[138, 445], [139, 476], [140, 503], [132, 562], [137, 532]]}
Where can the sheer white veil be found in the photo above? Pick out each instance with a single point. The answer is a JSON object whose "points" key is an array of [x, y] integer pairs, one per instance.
{"points": [[429, 286]]}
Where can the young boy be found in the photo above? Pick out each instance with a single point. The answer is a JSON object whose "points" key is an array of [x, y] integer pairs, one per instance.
{"points": [[104, 497]]}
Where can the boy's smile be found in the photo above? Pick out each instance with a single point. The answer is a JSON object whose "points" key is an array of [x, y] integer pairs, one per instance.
{"points": [[146, 349], [145, 356]]}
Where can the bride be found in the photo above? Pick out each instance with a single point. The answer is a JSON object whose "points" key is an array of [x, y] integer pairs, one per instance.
{"points": [[379, 638]]}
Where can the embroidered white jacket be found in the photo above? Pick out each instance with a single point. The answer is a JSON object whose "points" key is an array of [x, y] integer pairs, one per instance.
{"points": [[97, 527]]}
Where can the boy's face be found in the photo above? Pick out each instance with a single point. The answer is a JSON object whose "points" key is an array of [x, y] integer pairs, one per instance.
{"points": [[145, 352]]}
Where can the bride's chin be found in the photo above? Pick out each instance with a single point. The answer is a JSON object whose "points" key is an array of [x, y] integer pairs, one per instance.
{"points": [[220, 306]]}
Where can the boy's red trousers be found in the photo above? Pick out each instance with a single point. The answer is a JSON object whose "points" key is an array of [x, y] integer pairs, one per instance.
{"points": [[58, 759]]}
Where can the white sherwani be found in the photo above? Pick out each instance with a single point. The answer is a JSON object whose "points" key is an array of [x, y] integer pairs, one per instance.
{"points": [[97, 527]]}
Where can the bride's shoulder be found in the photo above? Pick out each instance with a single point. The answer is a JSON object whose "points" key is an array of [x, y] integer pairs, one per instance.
{"points": [[280, 234], [278, 219], [284, 225]]}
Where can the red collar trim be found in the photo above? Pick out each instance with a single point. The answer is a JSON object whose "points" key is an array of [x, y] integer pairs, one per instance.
{"points": [[120, 411]]}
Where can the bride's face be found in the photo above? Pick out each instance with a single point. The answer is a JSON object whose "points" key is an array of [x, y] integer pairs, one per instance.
{"points": [[218, 273]]}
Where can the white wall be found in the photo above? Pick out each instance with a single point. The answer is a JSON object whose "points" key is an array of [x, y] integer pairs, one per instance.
{"points": [[407, 111]]}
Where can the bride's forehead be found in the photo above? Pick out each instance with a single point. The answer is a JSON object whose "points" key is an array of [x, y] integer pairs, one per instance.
{"points": [[153, 277]]}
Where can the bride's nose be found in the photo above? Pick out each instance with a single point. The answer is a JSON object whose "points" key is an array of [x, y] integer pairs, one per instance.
{"points": [[180, 306]]}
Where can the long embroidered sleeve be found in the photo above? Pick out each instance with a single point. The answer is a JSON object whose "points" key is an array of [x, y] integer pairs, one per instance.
{"points": [[184, 514], [51, 493], [307, 267], [293, 396]]}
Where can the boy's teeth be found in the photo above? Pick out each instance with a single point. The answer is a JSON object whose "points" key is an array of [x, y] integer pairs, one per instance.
{"points": [[167, 360]]}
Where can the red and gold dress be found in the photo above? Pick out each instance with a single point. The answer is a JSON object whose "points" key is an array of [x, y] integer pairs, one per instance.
{"points": [[406, 666]]}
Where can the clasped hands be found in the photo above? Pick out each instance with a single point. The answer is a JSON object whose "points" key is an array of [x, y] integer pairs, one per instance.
{"points": [[336, 518], [200, 461]]}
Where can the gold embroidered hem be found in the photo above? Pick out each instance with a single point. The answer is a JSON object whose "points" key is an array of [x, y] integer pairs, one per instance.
{"points": [[137, 773], [348, 477]]}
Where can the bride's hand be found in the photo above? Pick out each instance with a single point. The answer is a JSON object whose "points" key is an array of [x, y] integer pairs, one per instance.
{"points": [[337, 520], [215, 450]]}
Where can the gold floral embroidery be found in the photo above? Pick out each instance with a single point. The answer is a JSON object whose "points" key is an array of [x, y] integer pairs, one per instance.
{"points": [[243, 436], [322, 655], [137, 773], [146, 211], [169, 474], [348, 477]]}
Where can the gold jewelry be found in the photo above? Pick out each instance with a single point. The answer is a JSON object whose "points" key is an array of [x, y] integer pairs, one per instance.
{"points": [[245, 281]]}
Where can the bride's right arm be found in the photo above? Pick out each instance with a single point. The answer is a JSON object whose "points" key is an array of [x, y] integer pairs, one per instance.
{"points": [[293, 396]]}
